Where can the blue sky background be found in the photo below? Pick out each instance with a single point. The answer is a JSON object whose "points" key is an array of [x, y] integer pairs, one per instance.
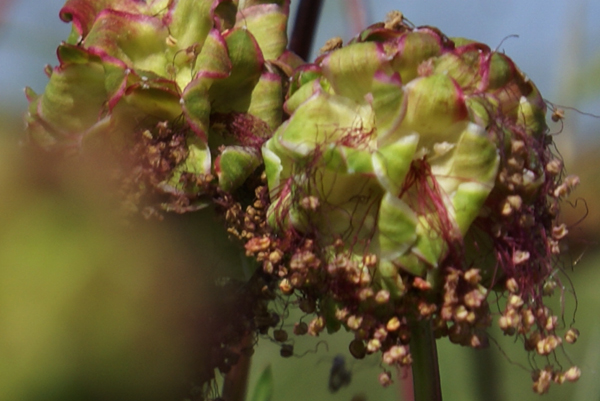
{"points": [[558, 41]]}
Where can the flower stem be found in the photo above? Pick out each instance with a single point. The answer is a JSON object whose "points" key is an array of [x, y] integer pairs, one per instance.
{"points": [[425, 369], [305, 27], [357, 15], [236, 380]]}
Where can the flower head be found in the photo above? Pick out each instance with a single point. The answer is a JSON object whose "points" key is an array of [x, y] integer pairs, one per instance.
{"points": [[190, 87], [419, 168]]}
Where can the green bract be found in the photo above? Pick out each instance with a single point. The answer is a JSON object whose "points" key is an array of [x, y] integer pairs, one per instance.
{"points": [[195, 78]]}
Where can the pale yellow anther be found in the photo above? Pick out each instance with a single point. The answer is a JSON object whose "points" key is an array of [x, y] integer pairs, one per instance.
{"points": [[518, 147], [471, 317], [476, 341], [461, 313], [399, 351], [512, 286], [354, 322], [559, 232], [571, 335], [472, 276], [559, 377], [382, 297], [310, 203], [528, 318], [388, 358], [365, 293], [548, 344], [516, 163], [393, 324], [473, 299], [365, 277], [370, 260], [380, 333], [171, 41], [373, 345], [554, 167], [316, 326], [341, 314], [551, 323], [542, 384], [515, 301], [520, 257], [564, 189], [385, 379], [331, 44], [393, 20], [286, 287], [573, 374], [549, 287], [275, 256], [504, 323]]}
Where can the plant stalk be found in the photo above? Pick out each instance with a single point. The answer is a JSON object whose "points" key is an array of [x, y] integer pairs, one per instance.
{"points": [[236, 380], [305, 25], [425, 368], [357, 15]]}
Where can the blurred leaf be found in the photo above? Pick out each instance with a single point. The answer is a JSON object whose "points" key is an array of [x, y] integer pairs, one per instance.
{"points": [[90, 309], [264, 387]]}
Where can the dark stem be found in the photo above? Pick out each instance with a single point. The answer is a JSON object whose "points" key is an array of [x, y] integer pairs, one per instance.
{"points": [[425, 369], [305, 25]]}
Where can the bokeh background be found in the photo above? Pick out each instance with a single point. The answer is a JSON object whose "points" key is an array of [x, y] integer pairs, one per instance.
{"points": [[90, 312]]}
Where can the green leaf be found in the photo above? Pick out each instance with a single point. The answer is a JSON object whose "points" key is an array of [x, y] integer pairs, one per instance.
{"points": [[264, 387]]}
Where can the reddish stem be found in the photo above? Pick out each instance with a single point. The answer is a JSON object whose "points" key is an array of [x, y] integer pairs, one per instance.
{"points": [[357, 15], [236, 380]]}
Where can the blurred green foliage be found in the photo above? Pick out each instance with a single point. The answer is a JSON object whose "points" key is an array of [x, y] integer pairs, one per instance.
{"points": [[263, 390], [91, 309]]}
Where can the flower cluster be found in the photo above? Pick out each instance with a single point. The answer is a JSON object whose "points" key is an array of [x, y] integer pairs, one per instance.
{"points": [[178, 90], [413, 178], [405, 176]]}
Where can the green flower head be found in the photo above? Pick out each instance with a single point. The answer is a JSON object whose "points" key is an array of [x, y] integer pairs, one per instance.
{"points": [[418, 168], [191, 87]]}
